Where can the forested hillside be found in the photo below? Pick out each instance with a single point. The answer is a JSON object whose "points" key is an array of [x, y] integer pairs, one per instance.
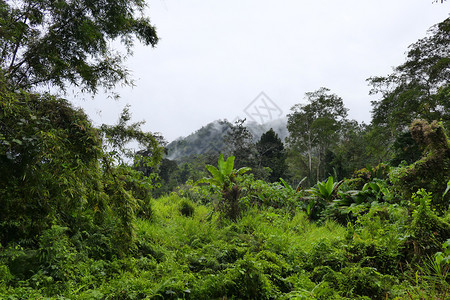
{"points": [[210, 139], [334, 210]]}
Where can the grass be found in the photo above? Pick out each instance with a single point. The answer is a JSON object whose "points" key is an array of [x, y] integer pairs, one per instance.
{"points": [[191, 249], [268, 253]]}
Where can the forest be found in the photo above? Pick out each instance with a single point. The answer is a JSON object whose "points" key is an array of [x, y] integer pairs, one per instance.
{"points": [[336, 210]]}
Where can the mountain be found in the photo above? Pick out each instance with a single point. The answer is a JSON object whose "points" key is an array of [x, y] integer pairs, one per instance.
{"points": [[210, 138]]}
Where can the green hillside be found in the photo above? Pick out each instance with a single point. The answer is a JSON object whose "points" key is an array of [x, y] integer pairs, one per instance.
{"points": [[210, 138]]}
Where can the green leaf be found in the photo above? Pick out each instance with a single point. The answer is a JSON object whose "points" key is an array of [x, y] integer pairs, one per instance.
{"points": [[446, 244], [215, 173], [243, 170], [447, 189], [221, 163], [365, 187], [286, 185], [374, 186], [322, 189], [229, 166], [329, 185], [310, 206]]}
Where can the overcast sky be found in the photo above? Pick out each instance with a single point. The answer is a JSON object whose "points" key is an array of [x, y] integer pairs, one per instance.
{"points": [[215, 57]]}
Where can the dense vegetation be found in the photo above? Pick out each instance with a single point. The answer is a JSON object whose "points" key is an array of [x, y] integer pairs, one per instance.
{"points": [[341, 210]]}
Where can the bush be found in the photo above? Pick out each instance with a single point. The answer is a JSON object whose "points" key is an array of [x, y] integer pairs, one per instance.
{"points": [[49, 169], [186, 208], [432, 171], [263, 194], [368, 174], [428, 231], [325, 254]]}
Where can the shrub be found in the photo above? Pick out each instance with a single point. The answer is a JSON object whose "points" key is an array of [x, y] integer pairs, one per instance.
{"points": [[186, 208], [49, 169], [263, 194], [365, 175], [325, 254], [144, 210], [196, 193], [432, 171], [224, 182], [428, 231]]}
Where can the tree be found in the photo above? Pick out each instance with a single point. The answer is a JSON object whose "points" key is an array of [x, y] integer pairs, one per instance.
{"points": [[419, 88], [46, 42], [349, 154], [57, 169], [314, 128], [49, 170], [240, 144], [272, 154], [432, 170]]}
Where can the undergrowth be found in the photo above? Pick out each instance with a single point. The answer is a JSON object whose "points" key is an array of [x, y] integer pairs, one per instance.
{"points": [[266, 254]]}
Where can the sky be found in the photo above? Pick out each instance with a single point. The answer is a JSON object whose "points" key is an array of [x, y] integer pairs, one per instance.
{"points": [[256, 59]]}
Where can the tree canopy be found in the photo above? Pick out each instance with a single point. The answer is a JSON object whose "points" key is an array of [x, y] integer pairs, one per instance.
{"points": [[56, 169], [46, 42], [420, 87], [314, 127], [240, 144], [272, 154]]}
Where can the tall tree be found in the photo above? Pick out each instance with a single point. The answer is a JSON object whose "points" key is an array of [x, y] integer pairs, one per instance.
{"points": [[272, 154], [419, 88], [56, 169], [357, 148], [314, 128], [46, 42], [239, 141]]}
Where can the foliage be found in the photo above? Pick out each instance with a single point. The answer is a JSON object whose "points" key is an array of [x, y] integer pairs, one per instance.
{"points": [[432, 171], [427, 230], [268, 194], [48, 165], [365, 175], [78, 221], [325, 190], [224, 182], [60, 42], [196, 193], [314, 128], [267, 253], [168, 173], [56, 170], [356, 148], [433, 275], [320, 196], [271, 153], [405, 149], [187, 208], [239, 141], [416, 89], [117, 137]]}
